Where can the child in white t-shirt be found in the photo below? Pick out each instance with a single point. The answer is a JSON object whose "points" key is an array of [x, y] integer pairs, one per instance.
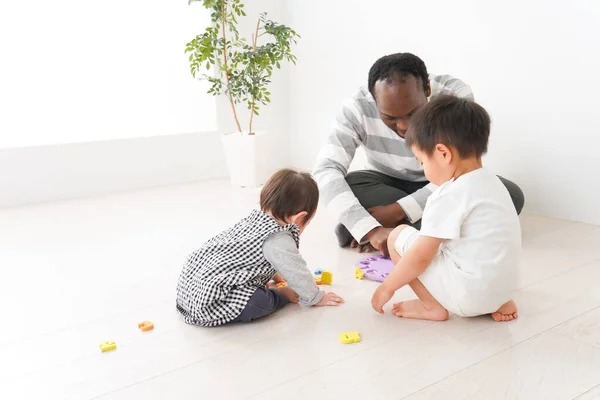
{"points": [[465, 258]]}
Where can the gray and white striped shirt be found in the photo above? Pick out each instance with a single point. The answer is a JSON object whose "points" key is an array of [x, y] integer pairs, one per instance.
{"points": [[359, 124]]}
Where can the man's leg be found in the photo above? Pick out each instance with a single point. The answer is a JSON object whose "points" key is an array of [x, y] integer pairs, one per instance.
{"points": [[516, 194], [374, 189], [262, 303]]}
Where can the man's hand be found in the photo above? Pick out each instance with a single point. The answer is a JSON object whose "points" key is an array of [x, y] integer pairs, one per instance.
{"points": [[361, 248], [389, 216], [378, 238]]}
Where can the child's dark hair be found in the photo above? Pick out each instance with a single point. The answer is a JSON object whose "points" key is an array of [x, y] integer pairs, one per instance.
{"points": [[452, 121], [288, 193]]}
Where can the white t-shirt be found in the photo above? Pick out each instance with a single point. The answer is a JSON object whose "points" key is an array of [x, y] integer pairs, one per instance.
{"points": [[476, 216]]}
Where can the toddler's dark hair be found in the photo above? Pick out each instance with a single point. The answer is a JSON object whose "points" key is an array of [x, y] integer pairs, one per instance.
{"points": [[453, 121], [289, 192]]}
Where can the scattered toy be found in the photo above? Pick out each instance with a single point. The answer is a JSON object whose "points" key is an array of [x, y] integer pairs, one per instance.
{"points": [[108, 346], [358, 274], [349, 337], [281, 284], [376, 268], [326, 278], [318, 271], [146, 326]]}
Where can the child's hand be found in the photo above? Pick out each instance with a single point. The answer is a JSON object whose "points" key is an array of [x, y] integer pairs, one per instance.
{"points": [[278, 278], [381, 296], [330, 299]]}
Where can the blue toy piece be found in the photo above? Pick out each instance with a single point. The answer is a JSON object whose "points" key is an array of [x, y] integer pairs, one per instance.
{"points": [[318, 271]]}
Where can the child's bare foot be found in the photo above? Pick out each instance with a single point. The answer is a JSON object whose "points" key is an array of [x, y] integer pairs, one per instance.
{"points": [[289, 294], [507, 312], [416, 309]]}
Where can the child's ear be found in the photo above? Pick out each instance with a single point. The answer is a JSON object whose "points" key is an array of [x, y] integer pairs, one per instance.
{"points": [[444, 153], [299, 218]]}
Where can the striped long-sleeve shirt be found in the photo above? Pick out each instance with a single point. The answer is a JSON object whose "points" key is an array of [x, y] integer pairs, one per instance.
{"points": [[359, 124]]}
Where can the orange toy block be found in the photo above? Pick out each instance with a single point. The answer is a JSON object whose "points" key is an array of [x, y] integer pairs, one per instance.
{"points": [[281, 284], [146, 326]]}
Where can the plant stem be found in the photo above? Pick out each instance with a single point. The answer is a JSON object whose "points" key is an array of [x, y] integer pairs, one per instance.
{"points": [[223, 17], [254, 38]]}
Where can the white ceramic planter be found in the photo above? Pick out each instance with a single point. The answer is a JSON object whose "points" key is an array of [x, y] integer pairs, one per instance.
{"points": [[249, 158]]}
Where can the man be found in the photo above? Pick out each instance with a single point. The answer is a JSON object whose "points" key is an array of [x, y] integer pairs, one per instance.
{"points": [[393, 189]]}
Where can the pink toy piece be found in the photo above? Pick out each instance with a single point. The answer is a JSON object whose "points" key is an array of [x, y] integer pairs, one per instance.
{"points": [[376, 268]]}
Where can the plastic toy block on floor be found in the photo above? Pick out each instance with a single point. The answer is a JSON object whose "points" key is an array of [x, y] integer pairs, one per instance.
{"points": [[326, 278], [281, 284], [318, 280], [108, 346], [146, 326], [358, 274], [318, 271], [349, 337], [376, 268]]}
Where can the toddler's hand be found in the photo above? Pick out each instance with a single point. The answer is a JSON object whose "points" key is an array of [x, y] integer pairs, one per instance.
{"points": [[278, 278], [381, 296], [330, 299]]}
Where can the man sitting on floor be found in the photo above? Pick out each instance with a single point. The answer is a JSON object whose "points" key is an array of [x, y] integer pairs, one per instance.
{"points": [[393, 189]]}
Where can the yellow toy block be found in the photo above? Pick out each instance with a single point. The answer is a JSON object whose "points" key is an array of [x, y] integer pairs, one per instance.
{"points": [[349, 337], [326, 278], [358, 274], [108, 346]]}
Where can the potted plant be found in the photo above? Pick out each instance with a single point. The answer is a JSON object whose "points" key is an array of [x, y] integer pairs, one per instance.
{"points": [[242, 73]]}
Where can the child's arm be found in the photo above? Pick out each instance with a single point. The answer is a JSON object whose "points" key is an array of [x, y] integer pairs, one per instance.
{"points": [[411, 265], [281, 252]]}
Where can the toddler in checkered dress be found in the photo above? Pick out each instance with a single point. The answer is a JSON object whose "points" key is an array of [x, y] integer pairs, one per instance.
{"points": [[225, 280]]}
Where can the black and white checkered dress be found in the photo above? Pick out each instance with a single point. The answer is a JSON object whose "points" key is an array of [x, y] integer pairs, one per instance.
{"points": [[219, 278]]}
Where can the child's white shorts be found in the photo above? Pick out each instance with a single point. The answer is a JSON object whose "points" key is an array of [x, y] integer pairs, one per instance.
{"points": [[443, 284]]}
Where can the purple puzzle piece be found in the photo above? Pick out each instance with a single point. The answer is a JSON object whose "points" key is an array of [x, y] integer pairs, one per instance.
{"points": [[376, 268]]}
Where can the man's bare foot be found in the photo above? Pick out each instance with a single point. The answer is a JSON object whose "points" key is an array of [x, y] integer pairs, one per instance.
{"points": [[416, 309], [507, 312], [289, 294]]}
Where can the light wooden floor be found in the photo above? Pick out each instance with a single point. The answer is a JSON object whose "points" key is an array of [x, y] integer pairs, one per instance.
{"points": [[76, 273]]}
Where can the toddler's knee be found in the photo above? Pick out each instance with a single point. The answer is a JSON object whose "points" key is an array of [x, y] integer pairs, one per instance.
{"points": [[394, 236]]}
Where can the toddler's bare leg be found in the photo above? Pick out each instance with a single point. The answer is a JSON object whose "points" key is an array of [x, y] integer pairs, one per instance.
{"points": [[426, 307], [507, 312], [391, 244]]}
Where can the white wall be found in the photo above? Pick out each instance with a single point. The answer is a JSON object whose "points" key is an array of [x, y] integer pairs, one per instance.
{"points": [[532, 64], [51, 172], [83, 71]]}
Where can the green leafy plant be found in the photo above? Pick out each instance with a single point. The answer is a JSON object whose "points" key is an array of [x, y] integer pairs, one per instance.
{"points": [[242, 70]]}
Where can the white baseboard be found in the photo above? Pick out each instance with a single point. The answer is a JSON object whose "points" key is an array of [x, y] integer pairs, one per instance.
{"points": [[47, 173]]}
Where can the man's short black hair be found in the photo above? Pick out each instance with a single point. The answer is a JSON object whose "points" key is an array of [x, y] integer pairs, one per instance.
{"points": [[453, 121], [398, 66]]}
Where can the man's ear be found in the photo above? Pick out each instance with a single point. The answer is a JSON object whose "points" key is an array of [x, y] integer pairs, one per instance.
{"points": [[298, 219], [428, 89], [444, 152]]}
